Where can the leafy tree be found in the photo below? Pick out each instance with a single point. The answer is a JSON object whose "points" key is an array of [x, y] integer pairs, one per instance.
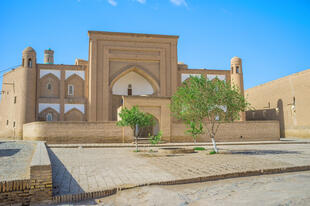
{"points": [[156, 138], [136, 120], [203, 103]]}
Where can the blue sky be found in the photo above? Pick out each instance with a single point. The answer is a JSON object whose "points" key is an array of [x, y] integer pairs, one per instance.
{"points": [[272, 37]]}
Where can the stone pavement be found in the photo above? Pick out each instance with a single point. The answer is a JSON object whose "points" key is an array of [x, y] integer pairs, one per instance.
{"points": [[269, 190], [15, 158], [80, 170]]}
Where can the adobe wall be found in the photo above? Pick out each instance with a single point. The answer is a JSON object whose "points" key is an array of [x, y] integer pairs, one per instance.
{"points": [[112, 55], [290, 97], [231, 132], [108, 132], [77, 132], [10, 110]]}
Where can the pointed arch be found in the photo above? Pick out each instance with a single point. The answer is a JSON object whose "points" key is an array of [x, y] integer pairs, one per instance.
{"points": [[53, 90], [139, 70], [77, 82], [43, 114], [74, 115]]}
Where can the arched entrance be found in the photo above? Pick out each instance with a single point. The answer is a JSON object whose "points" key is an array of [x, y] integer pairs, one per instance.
{"points": [[151, 131]]}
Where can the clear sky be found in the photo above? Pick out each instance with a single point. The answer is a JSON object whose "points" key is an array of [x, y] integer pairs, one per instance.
{"points": [[272, 37]]}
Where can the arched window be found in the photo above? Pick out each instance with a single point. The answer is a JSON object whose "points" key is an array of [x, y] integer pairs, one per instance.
{"points": [[70, 90], [49, 86], [29, 63], [49, 117], [237, 69], [23, 63], [129, 93]]}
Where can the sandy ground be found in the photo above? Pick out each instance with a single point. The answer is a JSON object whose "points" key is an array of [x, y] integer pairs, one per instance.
{"points": [[283, 189]]}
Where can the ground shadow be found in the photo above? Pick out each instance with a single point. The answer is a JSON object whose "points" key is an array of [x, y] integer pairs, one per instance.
{"points": [[63, 181], [263, 152], [8, 152]]}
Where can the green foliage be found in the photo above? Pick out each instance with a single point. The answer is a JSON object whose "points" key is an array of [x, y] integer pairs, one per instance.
{"points": [[212, 152], [156, 138], [201, 102], [132, 117], [195, 129], [199, 148]]}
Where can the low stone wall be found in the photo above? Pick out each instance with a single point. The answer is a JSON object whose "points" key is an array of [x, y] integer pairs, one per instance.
{"points": [[77, 132], [36, 189], [232, 132]]}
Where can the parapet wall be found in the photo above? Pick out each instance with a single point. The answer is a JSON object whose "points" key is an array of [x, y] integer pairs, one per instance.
{"points": [[108, 132]]}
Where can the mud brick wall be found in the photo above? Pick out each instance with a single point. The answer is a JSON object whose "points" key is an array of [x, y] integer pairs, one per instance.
{"points": [[16, 191]]}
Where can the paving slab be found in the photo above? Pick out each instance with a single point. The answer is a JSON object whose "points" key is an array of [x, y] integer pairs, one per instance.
{"points": [[15, 159], [81, 170]]}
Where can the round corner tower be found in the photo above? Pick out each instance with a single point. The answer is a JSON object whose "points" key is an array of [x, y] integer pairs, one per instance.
{"points": [[236, 75], [48, 56], [26, 94]]}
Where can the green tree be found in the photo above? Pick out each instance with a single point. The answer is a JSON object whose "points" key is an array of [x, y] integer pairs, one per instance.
{"points": [[203, 105], [136, 120]]}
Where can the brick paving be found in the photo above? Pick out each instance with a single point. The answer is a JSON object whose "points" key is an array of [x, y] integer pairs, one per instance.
{"points": [[78, 170]]}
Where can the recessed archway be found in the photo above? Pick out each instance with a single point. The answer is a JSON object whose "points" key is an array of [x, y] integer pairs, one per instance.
{"points": [[134, 81]]}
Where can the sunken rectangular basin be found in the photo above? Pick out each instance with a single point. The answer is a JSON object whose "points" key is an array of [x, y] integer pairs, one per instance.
{"points": [[175, 150]]}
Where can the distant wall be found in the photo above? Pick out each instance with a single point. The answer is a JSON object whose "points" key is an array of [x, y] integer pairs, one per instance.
{"points": [[108, 132], [289, 96], [231, 132]]}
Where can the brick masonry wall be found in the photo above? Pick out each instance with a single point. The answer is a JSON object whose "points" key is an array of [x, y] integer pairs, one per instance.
{"points": [[108, 132], [16, 191], [77, 132], [37, 189], [231, 132]]}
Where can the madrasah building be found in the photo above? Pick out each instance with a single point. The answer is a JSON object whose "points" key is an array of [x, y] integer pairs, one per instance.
{"points": [[79, 103]]}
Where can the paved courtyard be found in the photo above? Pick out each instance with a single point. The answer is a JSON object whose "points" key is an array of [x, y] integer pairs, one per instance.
{"points": [[15, 158], [77, 170]]}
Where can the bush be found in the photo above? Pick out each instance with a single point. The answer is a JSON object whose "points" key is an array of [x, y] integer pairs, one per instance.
{"points": [[199, 148]]}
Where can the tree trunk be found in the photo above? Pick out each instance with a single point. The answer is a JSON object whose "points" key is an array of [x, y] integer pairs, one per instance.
{"points": [[214, 144]]}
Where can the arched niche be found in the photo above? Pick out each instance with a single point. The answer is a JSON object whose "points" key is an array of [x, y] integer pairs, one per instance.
{"points": [[78, 84], [49, 86], [74, 115], [43, 114], [134, 81]]}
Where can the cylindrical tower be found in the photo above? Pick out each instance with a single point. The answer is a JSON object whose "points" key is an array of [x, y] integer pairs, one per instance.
{"points": [[48, 56], [237, 77], [26, 94]]}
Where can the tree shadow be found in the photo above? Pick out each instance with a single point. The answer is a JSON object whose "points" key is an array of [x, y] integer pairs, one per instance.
{"points": [[8, 152], [263, 152]]}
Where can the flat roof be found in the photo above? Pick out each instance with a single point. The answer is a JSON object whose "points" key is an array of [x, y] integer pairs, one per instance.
{"points": [[133, 34]]}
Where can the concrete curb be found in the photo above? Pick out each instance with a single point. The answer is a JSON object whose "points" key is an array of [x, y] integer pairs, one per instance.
{"points": [[100, 194], [124, 145]]}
